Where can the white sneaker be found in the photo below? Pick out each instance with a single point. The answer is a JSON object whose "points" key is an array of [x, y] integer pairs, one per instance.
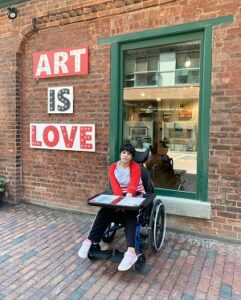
{"points": [[84, 249], [128, 261]]}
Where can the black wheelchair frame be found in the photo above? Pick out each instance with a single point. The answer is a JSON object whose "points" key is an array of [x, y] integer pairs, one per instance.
{"points": [[151, 224]]}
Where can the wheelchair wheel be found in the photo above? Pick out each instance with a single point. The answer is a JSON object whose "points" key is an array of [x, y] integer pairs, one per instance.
{"points": [[139, 265], [109, 234], [157, 226]]}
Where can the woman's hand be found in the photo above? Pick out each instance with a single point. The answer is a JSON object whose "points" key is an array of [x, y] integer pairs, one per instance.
{"points": [[129, 195]]}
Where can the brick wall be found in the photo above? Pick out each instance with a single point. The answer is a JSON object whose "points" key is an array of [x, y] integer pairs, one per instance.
{"points": [[66, 178], [71, 176]]}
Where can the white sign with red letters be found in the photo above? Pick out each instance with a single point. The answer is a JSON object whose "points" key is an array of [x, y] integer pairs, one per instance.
{"points": [[75, 137], [60, 100], [64, 62]]}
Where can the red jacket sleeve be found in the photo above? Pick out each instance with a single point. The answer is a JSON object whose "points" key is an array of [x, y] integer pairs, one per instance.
{"points": [[114, 183], [135, 174]]}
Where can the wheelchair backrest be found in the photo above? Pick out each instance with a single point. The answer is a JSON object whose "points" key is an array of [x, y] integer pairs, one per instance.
{"points": [[141, 157]]}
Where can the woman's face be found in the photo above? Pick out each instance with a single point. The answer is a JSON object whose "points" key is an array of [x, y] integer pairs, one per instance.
{"points": [[125, 157]]}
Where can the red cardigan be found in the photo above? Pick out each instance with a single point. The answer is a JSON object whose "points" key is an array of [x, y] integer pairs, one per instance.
{"points": [[135, 175]]}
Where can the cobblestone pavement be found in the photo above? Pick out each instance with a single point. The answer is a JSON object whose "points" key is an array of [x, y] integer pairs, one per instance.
{"points": [[38, 260]]}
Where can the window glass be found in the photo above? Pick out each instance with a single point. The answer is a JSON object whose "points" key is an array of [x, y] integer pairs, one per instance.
{"points": [[141, 64], [153, 62], [161, 104]]}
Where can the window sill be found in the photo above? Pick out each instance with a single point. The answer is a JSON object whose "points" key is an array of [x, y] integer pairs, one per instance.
{"points": [[187, 207]]}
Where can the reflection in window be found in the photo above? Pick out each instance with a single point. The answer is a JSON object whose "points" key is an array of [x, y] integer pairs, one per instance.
{"points": [[163, 112], [162, 66]]}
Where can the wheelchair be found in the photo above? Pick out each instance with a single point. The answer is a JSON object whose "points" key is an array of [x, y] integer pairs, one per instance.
{"points": [[151, 224]]}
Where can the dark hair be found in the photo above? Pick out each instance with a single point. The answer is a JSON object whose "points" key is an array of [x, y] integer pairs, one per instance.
{"points": [[129, 148]]}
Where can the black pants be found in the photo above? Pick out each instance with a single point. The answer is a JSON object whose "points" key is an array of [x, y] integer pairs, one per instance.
{"points": [[107, 215]]}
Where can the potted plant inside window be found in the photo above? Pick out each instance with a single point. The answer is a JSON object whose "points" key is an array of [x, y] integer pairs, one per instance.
{"points": [[3, 185]]}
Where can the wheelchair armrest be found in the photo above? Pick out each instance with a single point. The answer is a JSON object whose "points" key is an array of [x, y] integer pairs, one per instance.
{"points": [[150, 199]]}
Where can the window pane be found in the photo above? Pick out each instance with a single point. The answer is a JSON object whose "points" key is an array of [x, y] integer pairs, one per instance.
{"points": [[187, 59], [147, 79], [129, 80], [167, 78], [129, 67], [141, 79], [163, 114], [152, 78], [185, 76], [130, 63], [141, 64], [153, 62]]}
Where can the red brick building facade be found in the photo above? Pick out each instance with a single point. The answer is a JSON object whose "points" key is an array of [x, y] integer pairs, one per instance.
{"points": [[65, 179]]}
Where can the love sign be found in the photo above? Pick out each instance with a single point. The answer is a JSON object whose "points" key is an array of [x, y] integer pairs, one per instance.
{"points": [[75, 137]]}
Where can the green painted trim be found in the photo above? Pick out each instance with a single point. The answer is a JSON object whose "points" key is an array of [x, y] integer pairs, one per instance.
{"points": [[116, 106], [121, 103], [114, 101], [163, 41], [7, 3], [175, 193], [166, 31], [204, 114]]}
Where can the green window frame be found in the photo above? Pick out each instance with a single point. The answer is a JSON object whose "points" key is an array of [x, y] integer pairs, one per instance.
{"points": [[202, 31], [5, 3]]}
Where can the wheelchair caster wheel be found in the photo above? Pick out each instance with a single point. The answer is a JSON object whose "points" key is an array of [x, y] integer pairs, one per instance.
{"points": [[139, 265]]}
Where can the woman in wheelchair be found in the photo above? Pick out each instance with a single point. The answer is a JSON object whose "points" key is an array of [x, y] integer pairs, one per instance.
{"points": [[125, 179]]}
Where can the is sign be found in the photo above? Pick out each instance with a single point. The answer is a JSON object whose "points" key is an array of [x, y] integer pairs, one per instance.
{"points": [[65, 62], [60, 100], [76, 137]]}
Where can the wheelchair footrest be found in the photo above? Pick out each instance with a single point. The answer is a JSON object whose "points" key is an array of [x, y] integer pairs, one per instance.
{"points": [[105, 254], [110, 254], [117, 256]]}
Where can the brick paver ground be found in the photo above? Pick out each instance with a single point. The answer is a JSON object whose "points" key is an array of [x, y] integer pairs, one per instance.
{"points": [[38, 260]]}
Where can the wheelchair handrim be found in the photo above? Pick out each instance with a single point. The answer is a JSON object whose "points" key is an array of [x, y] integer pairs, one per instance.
{"points": [[155, 227]]}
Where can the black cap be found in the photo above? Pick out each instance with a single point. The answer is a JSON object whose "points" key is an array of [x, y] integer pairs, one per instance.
{"points": [[129, 148]]}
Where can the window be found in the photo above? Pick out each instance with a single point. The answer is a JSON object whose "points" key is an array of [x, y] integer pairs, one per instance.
{"points": [[162, 66], [161, 109]]}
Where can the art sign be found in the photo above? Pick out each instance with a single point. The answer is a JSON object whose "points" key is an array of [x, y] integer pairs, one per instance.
{"points": [[60, 100], [56, 63], [75, 137]]}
